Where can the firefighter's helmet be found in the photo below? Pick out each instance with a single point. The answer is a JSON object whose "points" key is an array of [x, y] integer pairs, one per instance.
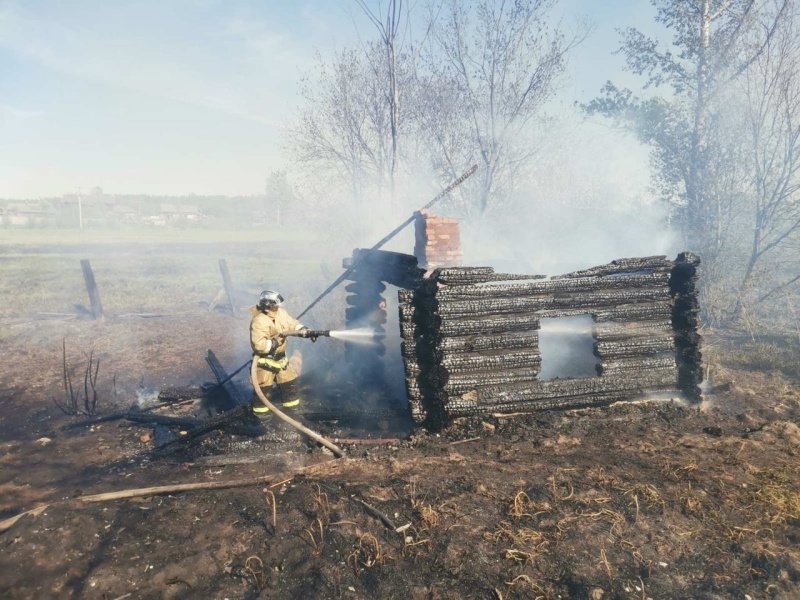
{"points": [[268, 299]]}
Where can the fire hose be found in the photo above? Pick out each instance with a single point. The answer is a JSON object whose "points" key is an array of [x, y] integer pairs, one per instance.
{"points": [[286, 418]]}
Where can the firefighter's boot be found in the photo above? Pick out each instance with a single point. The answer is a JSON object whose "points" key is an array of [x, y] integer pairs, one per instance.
{"points": [[260, 410], [289, 397]]}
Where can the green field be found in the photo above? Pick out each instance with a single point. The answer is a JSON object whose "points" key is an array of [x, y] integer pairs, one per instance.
{"points": [[151, 235], [148, 271]]}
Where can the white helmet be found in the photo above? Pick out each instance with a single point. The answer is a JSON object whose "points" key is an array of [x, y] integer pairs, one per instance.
{"points": [[268, 299]]}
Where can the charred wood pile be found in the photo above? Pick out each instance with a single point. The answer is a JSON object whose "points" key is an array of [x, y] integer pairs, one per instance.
{"points": [[366, 305], [470, 340]]}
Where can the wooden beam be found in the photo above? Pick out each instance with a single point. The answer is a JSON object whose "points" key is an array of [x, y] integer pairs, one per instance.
{"points": [[226, 281], [230, 389], [91, 287]]}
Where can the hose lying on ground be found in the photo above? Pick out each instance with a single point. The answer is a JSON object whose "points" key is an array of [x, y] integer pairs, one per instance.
{"points": [[283, 417]]}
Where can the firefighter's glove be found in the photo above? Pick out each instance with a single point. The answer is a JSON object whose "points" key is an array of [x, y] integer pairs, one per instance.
{"points": [[304, 332], [274, 343]]}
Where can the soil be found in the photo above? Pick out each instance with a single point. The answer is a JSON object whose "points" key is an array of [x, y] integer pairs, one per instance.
{"points": [[656, 499]]}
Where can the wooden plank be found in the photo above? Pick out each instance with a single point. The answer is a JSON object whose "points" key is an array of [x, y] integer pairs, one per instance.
{"points": [[228, 387], [91, 287], [217, 299], [227, 282]]}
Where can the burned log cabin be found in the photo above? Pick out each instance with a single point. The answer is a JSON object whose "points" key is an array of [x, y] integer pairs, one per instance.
{"points": [[471, 344]]}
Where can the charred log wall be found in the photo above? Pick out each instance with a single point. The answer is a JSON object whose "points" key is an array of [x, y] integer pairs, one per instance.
{"points": [[470, 344], [366, 305]]}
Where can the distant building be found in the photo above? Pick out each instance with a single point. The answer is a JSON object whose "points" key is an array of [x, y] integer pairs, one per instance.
{"points": [[125, 213], [179, 212], [28, 214]]}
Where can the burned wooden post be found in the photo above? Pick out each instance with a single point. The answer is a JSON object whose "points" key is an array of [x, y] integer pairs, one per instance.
{"points": [[91, 288], [367, 306], [685, 322], [230, 393], [227, 283]]}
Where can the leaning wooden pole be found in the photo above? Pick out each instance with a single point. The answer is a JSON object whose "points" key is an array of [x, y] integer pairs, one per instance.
{"points": [[91, 288], [227, 282]]}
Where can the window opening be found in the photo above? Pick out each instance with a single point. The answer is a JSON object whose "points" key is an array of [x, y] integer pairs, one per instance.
{"points": [[567, 347]]}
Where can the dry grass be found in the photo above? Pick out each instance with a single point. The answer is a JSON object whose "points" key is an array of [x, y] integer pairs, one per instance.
{"points": [[323, 506], [317, 541], [269, 497], [428, 518], [368, 553], [254, 566], [526, 543], [524, 507], [606, 565], [777, 500]]}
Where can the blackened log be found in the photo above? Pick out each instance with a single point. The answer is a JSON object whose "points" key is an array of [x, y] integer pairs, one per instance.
{"points": [[472, 275], [586, 284], [380, 258], [403, 279], [636, 346], [495, 360], [654, 311], [147, 417], [223, 420], [178, 394], [232, 392], [611, 331], [495, 306], [478, 343], [365, 286], [407, 313], [460, 383], [512, 323], [635, 365], [624, 265], [412, 369], [685, 321], [460, 409], [407, 331], [561, 403], [405, 296], [553, 388]]}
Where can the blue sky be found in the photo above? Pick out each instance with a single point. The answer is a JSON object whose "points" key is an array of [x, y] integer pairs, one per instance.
{"points": [[189, 96]]}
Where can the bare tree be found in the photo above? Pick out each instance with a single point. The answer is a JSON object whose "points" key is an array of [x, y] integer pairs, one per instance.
{"points": [[388, 28], [344, 130], [772, 93], [491, 67]]}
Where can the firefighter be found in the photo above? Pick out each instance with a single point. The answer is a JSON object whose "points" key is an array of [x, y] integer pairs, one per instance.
{"points": [[269, 321]]}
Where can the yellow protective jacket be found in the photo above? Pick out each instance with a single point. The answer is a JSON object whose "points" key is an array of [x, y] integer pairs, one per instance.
{"points": [[265, 326]]}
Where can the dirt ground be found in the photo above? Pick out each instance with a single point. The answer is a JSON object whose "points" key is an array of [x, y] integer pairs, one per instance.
{"points": [[638, 500]]}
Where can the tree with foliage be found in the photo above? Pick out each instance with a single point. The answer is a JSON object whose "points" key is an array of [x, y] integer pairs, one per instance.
{"points": [[699, 153]]}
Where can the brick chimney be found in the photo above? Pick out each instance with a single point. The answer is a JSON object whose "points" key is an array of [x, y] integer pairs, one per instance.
{"points": [[438, 241]]}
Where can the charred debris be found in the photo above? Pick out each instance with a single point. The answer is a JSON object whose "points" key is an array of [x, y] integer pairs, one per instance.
{"points": [[471, 342], [470, 346]]}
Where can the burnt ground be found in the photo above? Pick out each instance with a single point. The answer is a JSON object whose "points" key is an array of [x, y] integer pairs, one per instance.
{"points": [[637, 500]]}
